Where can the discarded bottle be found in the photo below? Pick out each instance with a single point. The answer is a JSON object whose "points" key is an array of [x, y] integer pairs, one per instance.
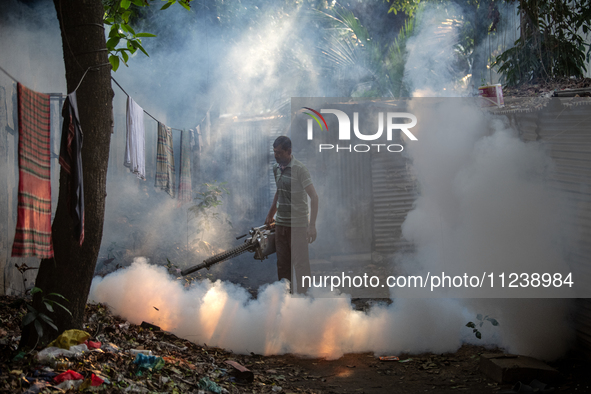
{"points": [[142, 351]]}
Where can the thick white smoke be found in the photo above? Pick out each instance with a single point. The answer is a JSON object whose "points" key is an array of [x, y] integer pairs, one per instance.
{"points": [[223, 314], [484, 205], [428, 71], [484, 202]]}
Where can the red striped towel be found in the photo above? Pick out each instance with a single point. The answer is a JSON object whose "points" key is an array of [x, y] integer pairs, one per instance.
{"points": [[33, 227]]}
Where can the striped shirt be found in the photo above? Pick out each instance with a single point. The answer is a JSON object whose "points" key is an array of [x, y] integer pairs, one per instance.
{"points": [[292, 199]]}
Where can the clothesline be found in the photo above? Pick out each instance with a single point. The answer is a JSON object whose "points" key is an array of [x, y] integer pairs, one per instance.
{"points": [[9, 76], [81, 79], [33, 234], [146, 112]]}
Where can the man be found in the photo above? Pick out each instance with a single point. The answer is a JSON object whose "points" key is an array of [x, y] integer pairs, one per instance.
{"points": [[293, 231]]}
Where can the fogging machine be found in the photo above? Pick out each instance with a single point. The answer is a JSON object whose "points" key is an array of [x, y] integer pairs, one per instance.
{"points": [[260, 240]]}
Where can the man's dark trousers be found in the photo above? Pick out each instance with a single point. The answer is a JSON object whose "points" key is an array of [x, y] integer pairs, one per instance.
{"points": [[292, 249]]}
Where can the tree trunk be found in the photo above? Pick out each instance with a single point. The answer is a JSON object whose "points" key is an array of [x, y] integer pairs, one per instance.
{"points": [[70, 272]]}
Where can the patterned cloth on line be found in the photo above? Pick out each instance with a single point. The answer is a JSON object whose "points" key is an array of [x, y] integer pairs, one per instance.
{"points": [[165, 175], [135, 148], [71, 161], [33, 227], [185, 189]]}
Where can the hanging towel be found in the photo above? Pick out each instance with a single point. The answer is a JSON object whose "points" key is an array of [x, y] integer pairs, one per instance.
{"points": [[192, 137], [6, 106], [3, 108], [71, 161], [199, 141], [10, 106], [165, 176], [185, 189], [33, 227], [135, 157]]}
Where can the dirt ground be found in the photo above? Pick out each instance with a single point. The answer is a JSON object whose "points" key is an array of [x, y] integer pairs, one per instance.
{"points": [[187, 364], [364, 373], [446, 373]]}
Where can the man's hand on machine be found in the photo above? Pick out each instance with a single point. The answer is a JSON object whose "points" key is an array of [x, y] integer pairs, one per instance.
{"points": [[269, 220]]}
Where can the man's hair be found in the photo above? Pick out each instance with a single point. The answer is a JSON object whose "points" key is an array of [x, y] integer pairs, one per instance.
{"points": [[283, 142]]}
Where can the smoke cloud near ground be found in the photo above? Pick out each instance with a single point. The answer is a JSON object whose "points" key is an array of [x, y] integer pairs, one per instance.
{"points": [[223, 314]]}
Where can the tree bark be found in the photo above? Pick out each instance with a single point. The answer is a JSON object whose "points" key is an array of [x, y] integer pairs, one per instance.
{"points": [[70, 272]]}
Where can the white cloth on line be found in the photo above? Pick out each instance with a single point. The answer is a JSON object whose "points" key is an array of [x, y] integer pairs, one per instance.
{"points": [[135, 154]]}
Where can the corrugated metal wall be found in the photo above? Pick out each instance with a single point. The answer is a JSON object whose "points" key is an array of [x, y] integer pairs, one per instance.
{"points": [[275, 130], [394, 192], [343, 183], [564, 127], [247, 156]]}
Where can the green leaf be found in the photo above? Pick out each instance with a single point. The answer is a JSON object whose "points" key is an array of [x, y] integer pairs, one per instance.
{"points": [[479, 316], [63, 307], [30, 307], [58, 295], [112, 43], [125, 56], [48, 320], [494, 322], [109, 21], [142, 49], [48, 306], [39, 328], [130, 47], [478, 335], [185, 5], [125, 4], [52, 325], [114, 60], [36, 290], [130, 29], [29, 317], [145, 35], [165, 6], [126, 16], [471, 325], [139, 3]]}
